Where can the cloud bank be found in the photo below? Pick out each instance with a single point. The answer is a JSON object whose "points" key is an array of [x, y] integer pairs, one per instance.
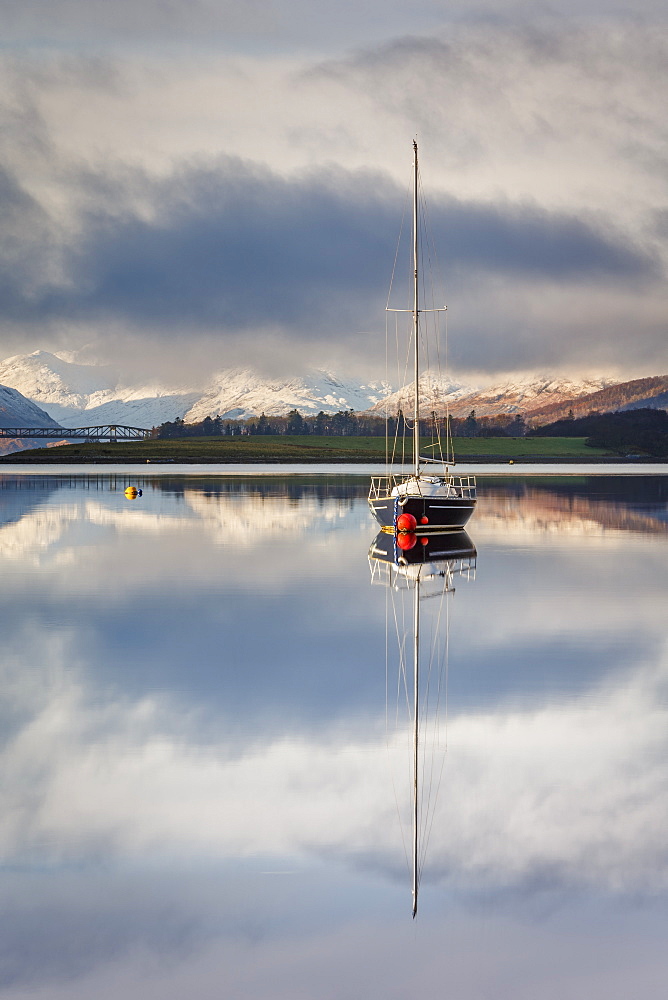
{"points": [[249, 205]]}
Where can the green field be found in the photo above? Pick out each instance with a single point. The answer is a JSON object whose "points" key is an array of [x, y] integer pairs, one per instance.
{"points": [[300, 448]]}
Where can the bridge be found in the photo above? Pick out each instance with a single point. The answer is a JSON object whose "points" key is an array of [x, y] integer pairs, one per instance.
{"points": [[100, 432]]}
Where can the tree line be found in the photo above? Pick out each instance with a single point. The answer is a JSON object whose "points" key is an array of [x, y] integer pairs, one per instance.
{"points": [[344, 423], [642, 431]]}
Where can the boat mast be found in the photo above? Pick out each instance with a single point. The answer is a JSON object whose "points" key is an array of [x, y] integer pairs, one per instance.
{"points": [[416, 313], [416, 679]]}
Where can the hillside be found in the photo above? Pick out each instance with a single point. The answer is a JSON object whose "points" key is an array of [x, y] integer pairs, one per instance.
{"points": [[17, 411], [638, 393], [517, 396]]}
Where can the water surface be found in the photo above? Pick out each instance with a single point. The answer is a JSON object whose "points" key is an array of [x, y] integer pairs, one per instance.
{"points": [[199, 765]]}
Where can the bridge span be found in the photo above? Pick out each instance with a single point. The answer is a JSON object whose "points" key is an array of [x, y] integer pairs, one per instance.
{"points": [[99, 432]]}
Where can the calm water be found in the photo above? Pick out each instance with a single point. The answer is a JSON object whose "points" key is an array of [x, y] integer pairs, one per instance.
{"points": [[203, 761]]}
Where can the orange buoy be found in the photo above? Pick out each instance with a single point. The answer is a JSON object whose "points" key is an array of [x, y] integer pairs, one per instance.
{"points": [[406, 522], [406, 540]]}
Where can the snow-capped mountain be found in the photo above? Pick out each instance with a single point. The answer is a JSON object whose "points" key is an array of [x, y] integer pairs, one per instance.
{"points": [[517, 396], [243, 393], [46, 378], [435, 392], [651, 392], [78, 395], [17, 411], [526, 394]]}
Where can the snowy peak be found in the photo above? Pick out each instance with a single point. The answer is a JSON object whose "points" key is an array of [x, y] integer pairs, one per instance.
{"points": [[17, 411], [520, 395], [75, 394], [437, 392], [72, 395], [526, 394], [242, 393], [46, 378], [649, 392]]}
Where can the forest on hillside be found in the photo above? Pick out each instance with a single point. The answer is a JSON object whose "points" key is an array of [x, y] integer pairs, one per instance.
{"points": [[643, 431]]}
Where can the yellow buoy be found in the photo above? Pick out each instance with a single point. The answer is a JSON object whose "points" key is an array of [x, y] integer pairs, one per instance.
{"points": [[131, 492], [511, 462]]}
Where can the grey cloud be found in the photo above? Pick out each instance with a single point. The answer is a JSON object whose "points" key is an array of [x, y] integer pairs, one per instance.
{"points": [[26, 251], [95, 21], [535, 86], [237, 246], [282, 23], [539, 268]]}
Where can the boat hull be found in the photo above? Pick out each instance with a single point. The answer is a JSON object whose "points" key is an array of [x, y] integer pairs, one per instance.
{"points": [[441, 513], [438, 547]]}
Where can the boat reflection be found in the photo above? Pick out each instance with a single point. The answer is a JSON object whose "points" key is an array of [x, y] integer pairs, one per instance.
{"points": [[440, 555], [419, 575]]}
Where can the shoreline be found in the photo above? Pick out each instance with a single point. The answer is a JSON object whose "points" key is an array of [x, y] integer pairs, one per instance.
{"points": [[148, 471], [481, 459]]}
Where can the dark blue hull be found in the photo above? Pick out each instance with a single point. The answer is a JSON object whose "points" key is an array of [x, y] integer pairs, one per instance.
{"points": [[441, 513], [437, 547]]}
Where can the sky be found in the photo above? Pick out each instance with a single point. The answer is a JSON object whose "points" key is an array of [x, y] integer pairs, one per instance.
{"points": [[189, 186]]}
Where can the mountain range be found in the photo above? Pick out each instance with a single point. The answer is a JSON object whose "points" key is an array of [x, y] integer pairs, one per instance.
{"points": [[43, 389], [520, 396], [639, 392], [80, 395]]}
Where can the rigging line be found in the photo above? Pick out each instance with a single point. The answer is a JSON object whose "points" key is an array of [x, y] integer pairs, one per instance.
{"points": [[441, 362], [447, 668], [387, 411], [449, 443], [429, 731], [396, 252], [443, 602], [428, 272], [429, 820], [428, 833], [389, 599], [428, 252], [387, 382], [387, 664], [401, 634], [402, 379], [424, 255]]}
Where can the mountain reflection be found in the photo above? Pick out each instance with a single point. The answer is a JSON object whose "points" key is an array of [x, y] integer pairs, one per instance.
{"points": [[588, 505], [269, 504], [200, 736]]}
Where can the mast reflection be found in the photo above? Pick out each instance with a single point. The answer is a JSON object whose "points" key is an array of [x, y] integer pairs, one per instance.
{"points": [[419, 574]]}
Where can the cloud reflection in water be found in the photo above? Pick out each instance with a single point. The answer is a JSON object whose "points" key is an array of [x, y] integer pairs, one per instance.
{"points": [[189, 703]]}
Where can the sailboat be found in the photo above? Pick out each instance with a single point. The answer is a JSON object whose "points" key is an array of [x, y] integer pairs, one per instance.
{"points": [[425, 571], [440, 501]]}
